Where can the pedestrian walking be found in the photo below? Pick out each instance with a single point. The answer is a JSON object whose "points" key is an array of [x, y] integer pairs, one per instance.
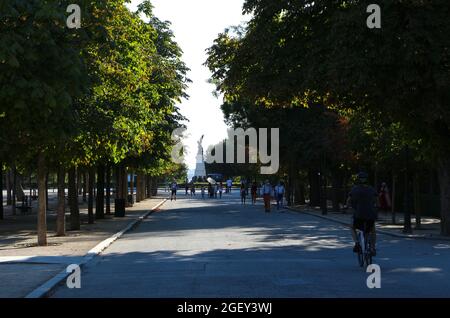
{"points": [[243, 192], [279, 194], [267, 191], [220, 190], [203, 192], [210, 191], [254, 192], [384, 198], [229, 185], [173, 187]]}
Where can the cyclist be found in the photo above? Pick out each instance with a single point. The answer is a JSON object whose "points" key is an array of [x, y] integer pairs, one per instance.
{"points": [[363, 199]]}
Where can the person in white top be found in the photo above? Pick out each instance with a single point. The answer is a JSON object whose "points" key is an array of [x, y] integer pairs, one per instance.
{"points": [[279, 194], [229, 185], [220, 190]]}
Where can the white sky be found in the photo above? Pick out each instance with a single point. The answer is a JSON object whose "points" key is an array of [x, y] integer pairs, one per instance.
{"points": [[196, 23]]}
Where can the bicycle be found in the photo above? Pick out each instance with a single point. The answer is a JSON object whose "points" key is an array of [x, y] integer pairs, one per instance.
{"points": [[364, 251]]}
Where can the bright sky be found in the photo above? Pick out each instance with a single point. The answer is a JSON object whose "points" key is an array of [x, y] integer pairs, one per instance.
{"points": [[196, 23]]}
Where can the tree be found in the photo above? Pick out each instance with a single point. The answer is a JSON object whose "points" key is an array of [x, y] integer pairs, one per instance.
{"points": [[292, 53], [34, 31]]}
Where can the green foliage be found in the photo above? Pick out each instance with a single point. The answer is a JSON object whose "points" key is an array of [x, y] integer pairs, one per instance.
{"points": [[104, 93]]}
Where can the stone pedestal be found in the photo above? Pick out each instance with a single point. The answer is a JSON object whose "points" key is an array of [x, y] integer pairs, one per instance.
{"points": [[200, 169]]}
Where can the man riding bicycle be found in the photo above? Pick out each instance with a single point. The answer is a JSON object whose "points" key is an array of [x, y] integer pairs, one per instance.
{"points": [[363, 200]]}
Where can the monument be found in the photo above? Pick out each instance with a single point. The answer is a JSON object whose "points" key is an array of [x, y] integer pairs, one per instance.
{"points": [[200, 169]]}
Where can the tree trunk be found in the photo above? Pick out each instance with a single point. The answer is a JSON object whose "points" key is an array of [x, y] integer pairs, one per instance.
{"points": [[444, 182], [143, 179], [131, 187], [91, 195], [79, 184], [46, 189], [138, 187], [125, 186], [431, 181], [118, 186], [394, 181], [42, 217], [314, 188], [375, 178], [100, 201], [85, 186], [336, 187], [8, 188], [14, 191], [1, 191], [417, 201], [154, 186], [31, 190], [61, 212], [73, 201], [299, 191], [149, 189], [108, 189], [143, 184]]}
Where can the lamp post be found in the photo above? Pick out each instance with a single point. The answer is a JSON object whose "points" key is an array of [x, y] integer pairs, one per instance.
{"points": [[323, 179], [407, 229]]}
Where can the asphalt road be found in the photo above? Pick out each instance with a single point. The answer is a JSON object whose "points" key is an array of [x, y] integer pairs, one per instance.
{"points": [[218, 248]]}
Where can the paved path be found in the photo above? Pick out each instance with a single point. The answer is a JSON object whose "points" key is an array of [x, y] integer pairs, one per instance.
{"points": [[23, 268], [208, 248]]}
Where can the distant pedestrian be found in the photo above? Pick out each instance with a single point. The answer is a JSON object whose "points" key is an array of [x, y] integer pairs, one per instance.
{"points": [[186, 187], [384, 198], [254, 192], [243, 193], [203, 192], [267, 191], [220, 190], [229, 185], [279, 194], [210, 191], [173, 187], [193, 189]]}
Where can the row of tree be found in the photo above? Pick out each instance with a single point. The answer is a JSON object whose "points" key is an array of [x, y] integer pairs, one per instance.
{"points": [[344, 96], [87, 100]]}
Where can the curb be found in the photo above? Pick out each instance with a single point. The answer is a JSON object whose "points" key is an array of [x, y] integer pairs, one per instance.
{"points": [[379, 231], [45, 289]]}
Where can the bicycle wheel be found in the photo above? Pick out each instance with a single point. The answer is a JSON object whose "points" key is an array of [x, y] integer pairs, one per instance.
{"points": [[368, 252], [360, 251], [368, 258]]}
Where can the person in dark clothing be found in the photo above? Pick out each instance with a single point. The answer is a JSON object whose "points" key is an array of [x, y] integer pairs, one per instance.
{"points": [[363, 199], [254, 192], [243, 192]]}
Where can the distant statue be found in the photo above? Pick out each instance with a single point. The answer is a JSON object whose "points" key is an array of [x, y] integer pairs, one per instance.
{"points": [[200, 147], [200, 169]]}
